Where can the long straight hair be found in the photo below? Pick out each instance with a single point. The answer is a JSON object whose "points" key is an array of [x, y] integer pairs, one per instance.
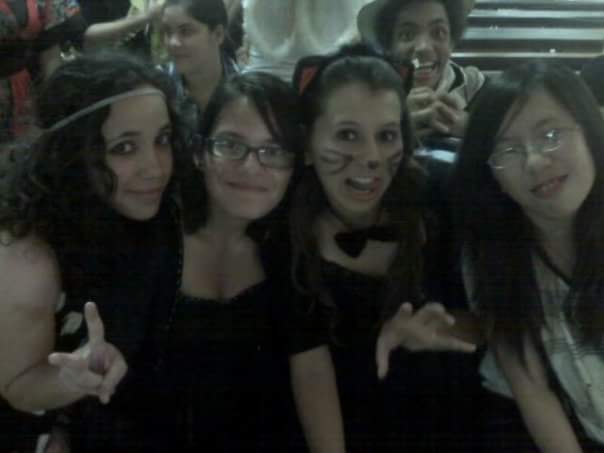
{"points": [[499, 239]]}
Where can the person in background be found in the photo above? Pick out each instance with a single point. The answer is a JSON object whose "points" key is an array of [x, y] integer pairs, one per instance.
{"points": [[133, 26], [425, 32], [359, 238], [194, 35], [84, 212], [277, 33], [31, 35], [530, 197]]}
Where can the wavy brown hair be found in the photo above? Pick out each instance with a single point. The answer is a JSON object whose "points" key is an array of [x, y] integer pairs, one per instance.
{"points": [[49, 191]]}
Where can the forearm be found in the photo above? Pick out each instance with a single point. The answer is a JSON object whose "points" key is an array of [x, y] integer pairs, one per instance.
{"points": [[109, 32], [538, 403], [317, 401], [40, 388], [547, 422], [50, 60]]}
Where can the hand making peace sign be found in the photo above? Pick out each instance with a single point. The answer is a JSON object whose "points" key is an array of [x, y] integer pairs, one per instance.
{"points": [[95, 368]]}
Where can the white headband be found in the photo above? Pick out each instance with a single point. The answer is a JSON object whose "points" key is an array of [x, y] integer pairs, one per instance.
{"points": [[102, 103]]}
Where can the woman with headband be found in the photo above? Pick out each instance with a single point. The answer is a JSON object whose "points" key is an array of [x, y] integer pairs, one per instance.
{"points": [[359, 234], [83, 206]]}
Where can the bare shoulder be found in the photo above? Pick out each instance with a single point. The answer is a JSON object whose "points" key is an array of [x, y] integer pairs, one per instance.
{"points": [[29, 273]]}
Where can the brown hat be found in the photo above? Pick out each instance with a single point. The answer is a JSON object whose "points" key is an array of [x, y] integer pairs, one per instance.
{"points": [[370, 14]]}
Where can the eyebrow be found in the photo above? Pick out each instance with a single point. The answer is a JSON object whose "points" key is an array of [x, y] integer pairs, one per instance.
{"points": [[131, 134], [405, 23], [542, 122], [345, 122], [237, 136], [357, 124]]}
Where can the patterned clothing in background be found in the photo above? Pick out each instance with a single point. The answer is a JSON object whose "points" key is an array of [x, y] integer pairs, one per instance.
{"points": [[28, 28]]}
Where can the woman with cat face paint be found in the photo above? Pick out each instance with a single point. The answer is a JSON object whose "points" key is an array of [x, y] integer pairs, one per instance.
{"points": [[358, 235]]}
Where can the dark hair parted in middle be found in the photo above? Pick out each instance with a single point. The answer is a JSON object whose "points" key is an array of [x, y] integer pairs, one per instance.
{"points": [[358, 65], [209, 12], [277, 104], [498, 237]]}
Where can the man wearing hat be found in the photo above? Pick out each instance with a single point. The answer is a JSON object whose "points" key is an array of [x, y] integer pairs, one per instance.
{"points": [[425, 32]]}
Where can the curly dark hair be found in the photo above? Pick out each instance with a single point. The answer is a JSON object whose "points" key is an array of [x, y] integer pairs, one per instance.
{"points": [[359, 64], [49, 190], [387, 17]]}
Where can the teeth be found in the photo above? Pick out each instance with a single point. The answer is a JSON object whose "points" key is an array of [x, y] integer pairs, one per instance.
{"points": [[425, 66], [547, 187], [362, 184], [362, 180]]}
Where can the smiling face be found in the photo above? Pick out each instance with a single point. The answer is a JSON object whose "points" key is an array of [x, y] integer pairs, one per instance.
{"points": [[356, 147], [422, 33], [243, 189], [548, 186], [138, 151], [192, 45]]}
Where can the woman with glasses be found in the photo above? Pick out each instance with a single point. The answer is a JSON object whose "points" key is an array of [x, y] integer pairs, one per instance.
{"points": [[531, 209], [358, 235], [222, 384]]}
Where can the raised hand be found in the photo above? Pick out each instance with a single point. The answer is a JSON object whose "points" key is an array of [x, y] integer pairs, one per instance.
{"points": [[422, 330], [97, 367], [436, 113]]}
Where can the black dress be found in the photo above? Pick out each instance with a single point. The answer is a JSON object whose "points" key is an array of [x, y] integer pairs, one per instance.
{"points": [[223, 381], [427, 403], [128, 278]]}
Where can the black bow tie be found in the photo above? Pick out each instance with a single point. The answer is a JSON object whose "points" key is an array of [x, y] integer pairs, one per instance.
{"points": [[353, 242]]}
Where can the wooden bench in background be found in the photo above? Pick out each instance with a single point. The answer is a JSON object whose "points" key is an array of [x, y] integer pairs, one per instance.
{"points": [[533, 39], [574, 5], [502, 33], [535, 18]]}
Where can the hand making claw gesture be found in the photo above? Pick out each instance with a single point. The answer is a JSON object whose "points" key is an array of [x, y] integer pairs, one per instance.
{"points": [[422, 330], [95, 368]]}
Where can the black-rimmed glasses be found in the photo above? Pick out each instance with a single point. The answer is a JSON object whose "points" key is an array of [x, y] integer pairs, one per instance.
{"points": [[269, 155]]}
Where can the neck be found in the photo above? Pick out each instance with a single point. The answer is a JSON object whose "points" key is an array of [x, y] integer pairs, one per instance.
{"points": [[202, 84], [556, 238], [341, 222], [224, 228]]}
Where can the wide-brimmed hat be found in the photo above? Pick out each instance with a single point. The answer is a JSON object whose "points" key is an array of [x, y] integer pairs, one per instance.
{"points": [[368, 17]]}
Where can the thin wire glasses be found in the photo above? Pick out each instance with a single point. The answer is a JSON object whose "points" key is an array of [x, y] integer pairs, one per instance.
{"points": [[548, 142], [269, 155]]}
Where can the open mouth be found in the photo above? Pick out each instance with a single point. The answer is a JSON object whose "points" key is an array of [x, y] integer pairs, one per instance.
{"points": [[550, 187], [364, 186], [424, 71]]}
